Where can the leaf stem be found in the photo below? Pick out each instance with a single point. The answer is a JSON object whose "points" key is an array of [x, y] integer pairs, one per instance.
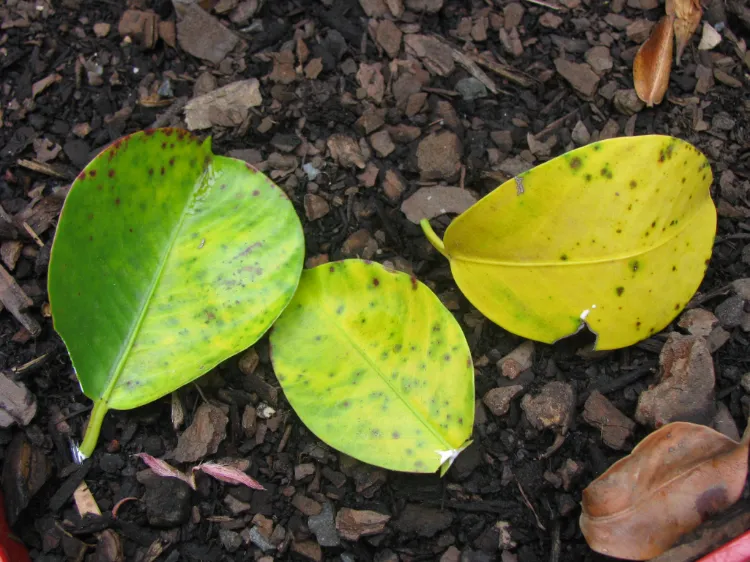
{"points": [[432, 237], [93, 428]]}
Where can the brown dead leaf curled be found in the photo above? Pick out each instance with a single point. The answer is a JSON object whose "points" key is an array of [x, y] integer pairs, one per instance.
{"points": [[653, 63], [674, 479], [687, 15]]}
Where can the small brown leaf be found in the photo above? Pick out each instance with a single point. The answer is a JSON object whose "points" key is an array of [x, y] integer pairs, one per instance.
{"points": [[653, 63], [674, 479], [688, 15]]}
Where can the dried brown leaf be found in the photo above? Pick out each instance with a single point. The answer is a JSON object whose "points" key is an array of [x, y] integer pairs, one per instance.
{"points": [[653, 63], [687, 15], [162, 468], [674, 479]]}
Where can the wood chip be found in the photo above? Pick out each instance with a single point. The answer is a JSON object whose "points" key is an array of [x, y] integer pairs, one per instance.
{"points": [[430, 202], [10, 252], [85, 502], [17, 404], [507, 72], [41, 85], [16, 301], [43, 168], [227, 106]]}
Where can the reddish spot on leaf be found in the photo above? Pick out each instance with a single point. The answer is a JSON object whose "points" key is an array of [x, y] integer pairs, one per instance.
{"points": [[256, 193], [150, 171], [376, 282], [164, 145], [149, 132], [168, 131], [117, 201], [414, 283], [171, 161], [92, 173], [162, 170], [111, 173], [82, 176]]}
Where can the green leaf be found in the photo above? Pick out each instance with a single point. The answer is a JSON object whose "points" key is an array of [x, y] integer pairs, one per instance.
{"points": [[617, 234], [167, 260], [376, 366]]}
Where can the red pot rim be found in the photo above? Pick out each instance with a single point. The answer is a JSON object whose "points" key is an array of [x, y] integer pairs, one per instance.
{"points": [[736, 550]]}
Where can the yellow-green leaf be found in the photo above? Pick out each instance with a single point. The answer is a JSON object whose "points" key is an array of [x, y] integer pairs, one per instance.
{"points": [[376, 366], [617, 234], [167, 260]]}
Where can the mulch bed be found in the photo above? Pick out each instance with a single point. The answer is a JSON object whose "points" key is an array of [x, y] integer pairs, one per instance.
{"points": [[78, 76]]}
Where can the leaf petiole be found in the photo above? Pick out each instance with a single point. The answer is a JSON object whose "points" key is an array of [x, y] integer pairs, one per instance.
{"points": [[432, 237], [93, 428]]}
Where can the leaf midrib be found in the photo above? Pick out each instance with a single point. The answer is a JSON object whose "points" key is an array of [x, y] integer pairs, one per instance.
{"points": [[573, 262], [375, 368], [122, 357]]}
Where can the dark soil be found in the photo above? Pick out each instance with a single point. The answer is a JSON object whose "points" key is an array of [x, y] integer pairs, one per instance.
{"points": [[485, 485]]}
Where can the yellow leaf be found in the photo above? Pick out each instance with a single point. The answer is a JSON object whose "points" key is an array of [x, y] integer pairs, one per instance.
{"points": [[617, 234]]}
